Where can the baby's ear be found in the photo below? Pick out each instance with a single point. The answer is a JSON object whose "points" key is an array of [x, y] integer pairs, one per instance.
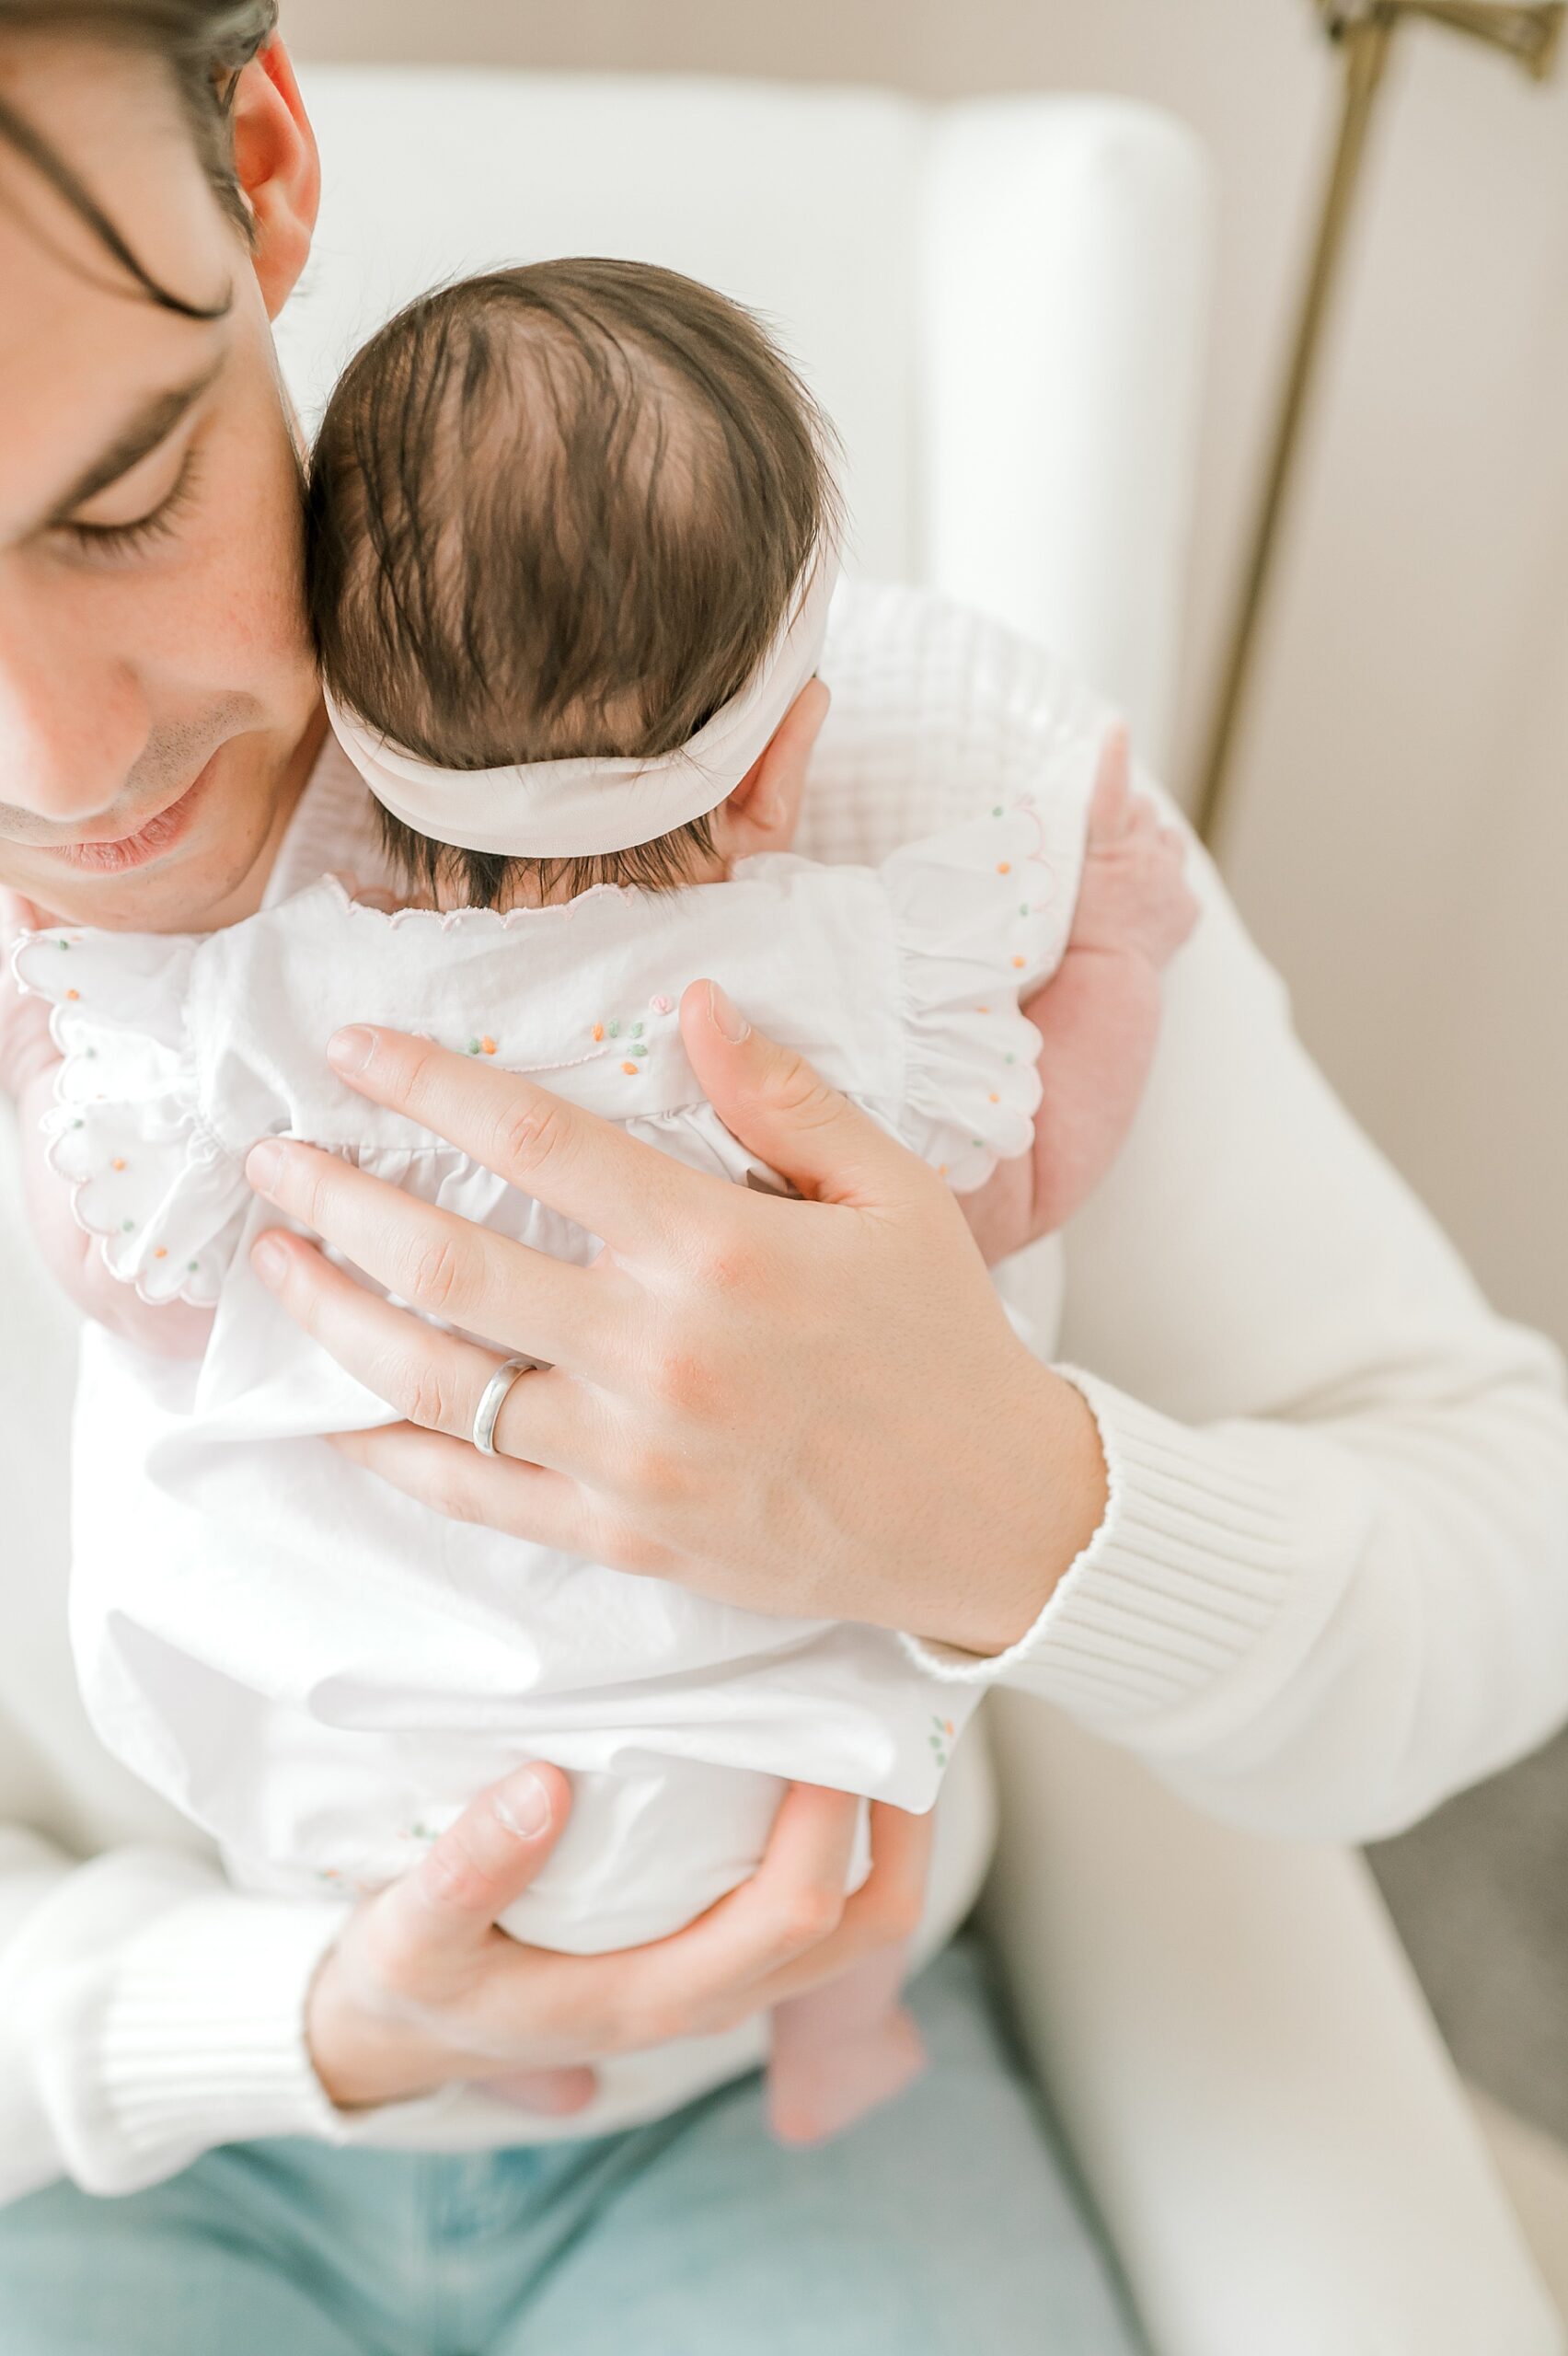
{"points": [[764, 808]]}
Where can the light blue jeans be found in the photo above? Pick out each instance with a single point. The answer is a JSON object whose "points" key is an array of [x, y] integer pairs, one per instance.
{"points": [[944, 2224]]}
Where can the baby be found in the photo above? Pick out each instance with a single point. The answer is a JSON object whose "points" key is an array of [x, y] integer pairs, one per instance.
{"points": [[572, 533]]}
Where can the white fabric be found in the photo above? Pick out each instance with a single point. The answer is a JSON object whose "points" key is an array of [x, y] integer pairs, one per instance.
{"points": [[579, 808], [320, 1671], [1409, 1642], [1097, 208]]}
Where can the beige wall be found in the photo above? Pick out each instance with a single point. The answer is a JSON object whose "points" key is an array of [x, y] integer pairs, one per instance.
{"points": [[1403, 844]]}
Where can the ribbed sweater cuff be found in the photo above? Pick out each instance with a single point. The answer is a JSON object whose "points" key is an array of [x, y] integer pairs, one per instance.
{"points": [[201, 2032], [1185, 1576]]}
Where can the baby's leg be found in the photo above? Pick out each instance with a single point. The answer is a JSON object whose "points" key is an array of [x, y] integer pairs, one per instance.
{"points": [[1099, 1016], [841, 2051]]}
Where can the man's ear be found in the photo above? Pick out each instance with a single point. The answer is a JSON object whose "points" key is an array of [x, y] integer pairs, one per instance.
{"points": [[763, 811], [278, 169]]}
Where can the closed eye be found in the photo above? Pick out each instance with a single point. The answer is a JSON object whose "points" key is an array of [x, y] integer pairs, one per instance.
{"points": [[141, 532]]}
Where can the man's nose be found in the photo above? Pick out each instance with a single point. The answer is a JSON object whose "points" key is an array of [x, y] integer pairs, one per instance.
{"points": [[73, 718]]}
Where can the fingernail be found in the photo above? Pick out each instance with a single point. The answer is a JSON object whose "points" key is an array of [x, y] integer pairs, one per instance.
{"points": [[264, 1165], [728, 1021], [523, 1804], [269, 1261], [351, 1050]]}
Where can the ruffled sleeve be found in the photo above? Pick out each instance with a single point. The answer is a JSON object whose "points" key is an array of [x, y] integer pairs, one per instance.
{"points": [[146, 1178], [981, 914]]}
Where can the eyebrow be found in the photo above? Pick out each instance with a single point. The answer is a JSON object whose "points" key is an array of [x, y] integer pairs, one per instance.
{"points": [[137, 438]]}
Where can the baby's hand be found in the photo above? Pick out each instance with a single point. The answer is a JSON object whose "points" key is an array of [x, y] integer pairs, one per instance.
{"points": [[26, 1049], [1133, 895]]}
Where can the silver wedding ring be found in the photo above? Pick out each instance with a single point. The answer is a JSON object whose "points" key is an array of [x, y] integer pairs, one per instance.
{"points": [[491, 1400]]}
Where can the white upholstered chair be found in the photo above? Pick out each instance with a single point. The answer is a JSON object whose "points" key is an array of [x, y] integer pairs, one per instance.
{"points": [[1003, 305]]}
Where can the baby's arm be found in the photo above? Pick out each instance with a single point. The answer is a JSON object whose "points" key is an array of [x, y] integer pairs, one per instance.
{"points": [[29, 1061], [1099, 1015]]}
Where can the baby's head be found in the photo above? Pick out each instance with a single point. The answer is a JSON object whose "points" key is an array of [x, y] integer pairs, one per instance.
{"points": [[567, 510]]}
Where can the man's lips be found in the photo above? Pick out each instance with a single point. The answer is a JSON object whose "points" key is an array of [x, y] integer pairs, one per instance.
{"points": [[153, 840]]}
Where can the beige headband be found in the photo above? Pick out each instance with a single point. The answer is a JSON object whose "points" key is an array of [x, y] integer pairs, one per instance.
{"points": [[580, 808]]}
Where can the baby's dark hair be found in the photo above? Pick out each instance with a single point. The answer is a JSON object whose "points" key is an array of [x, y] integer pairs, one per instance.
{"points": [[559, 510]]}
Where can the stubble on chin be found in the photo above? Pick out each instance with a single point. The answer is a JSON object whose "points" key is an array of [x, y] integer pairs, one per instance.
{"points": [[204, 883]]}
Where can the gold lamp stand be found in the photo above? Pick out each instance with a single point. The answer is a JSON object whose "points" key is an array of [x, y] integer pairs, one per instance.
{"points": [[1363, 30]]}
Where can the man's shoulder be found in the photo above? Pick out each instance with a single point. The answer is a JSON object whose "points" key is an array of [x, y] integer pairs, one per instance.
{"points": [[937, 710]]}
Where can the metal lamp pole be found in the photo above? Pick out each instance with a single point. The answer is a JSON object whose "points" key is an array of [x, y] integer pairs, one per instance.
{"points": [[1363, 30]]}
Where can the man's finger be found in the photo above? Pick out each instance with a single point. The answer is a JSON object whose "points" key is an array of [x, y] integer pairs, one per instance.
{"points": [[520, 1500], [772, 1100], [544, 2094], [443, 1264], [431, 1379], [793, 1902], [480, 1864], [587, 1168], [883, 1912]]}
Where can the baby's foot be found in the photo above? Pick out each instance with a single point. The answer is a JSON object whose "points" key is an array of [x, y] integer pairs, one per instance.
{"points": [[818, 2086], [1133, 894]]}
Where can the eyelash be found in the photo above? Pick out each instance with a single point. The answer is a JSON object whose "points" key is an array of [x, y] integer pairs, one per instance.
{"points": [[132, 539]]}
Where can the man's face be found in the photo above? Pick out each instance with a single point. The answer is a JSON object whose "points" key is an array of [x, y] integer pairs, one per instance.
{"points": [[157, 699]]}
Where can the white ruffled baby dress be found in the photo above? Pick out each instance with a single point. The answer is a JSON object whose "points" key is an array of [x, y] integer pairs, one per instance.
{"points": [[320, 1670]]}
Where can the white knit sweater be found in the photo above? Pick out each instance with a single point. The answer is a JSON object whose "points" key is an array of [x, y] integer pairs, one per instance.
{"points": [[1332, 1583]]}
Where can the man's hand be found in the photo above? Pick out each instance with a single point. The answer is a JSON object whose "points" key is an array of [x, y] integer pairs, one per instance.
{"points": [[422, 1990], [810, 1407]]}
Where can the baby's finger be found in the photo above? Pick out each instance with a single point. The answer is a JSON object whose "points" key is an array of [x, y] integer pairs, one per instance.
{"points": [[1112, 785]]}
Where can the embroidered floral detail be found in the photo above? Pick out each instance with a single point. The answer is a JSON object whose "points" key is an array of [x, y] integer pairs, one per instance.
{"points": [[941, 1738], [483, 1046], [634, 1046]]}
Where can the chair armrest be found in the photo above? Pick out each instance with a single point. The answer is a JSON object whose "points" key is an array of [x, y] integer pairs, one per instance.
{"points": [[1064, 311], [1278, 2145]]}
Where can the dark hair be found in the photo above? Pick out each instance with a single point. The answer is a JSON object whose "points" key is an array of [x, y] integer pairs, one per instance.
{"points": [[559, 510], [202, 45]]}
